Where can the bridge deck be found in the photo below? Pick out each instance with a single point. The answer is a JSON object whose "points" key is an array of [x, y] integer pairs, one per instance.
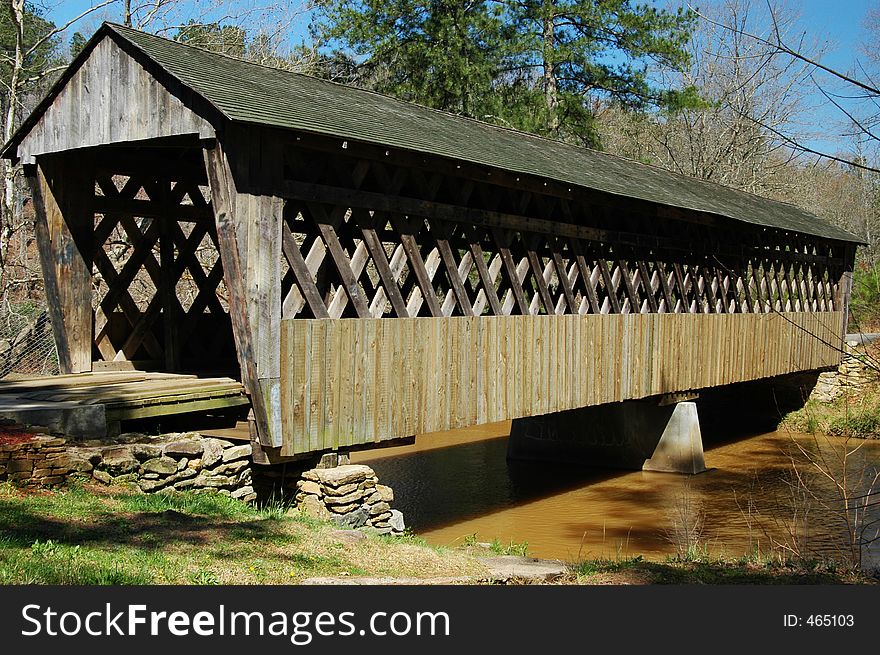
{"points": [[93, 404]]}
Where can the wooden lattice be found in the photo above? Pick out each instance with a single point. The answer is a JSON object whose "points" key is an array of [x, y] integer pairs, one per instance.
{"points": [[159, 294], [368, 238]]}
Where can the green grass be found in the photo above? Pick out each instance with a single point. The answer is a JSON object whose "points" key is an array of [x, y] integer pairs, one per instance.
{"points": [[89, 536], [750, 570], [845, 417]]}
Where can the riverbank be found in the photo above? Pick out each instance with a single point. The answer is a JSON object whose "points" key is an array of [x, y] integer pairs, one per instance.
{"points": [[854, 415], [98, 536]]}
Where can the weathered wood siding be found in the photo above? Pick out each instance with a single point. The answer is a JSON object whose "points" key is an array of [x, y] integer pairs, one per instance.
{"points": [[355, 381], [110, 99]]}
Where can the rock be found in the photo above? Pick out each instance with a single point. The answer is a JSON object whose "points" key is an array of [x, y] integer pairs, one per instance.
{"points": [[380, 518], [145, 451], [182, 464], [336, 477], [20, 466], [353, 497], [241, 492], [344, 509], [379, 508], [237, 452], [148, 486], [126, 478], [309, 487], [194, 464], [232, 467], [312, 507], [396, 521], [343, 490], [161, 465], [184, 484], [150, 476], [187, 447], [376, 530], [385, 493], [80, 466], [119, 460], [102, 476], [512, 567], [131, 437], [351, 520], [205, 479], [212, 453]]}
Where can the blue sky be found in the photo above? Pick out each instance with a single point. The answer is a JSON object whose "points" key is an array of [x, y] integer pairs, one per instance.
{"points": [[838, 24]]}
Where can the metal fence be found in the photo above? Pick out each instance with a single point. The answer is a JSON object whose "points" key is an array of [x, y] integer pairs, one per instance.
{"points": [[27, 346]]}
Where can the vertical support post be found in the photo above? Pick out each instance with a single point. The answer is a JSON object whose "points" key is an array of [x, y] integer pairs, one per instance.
{"points": [[168, 288], [249, 237], [844, 288], [62, 189]]}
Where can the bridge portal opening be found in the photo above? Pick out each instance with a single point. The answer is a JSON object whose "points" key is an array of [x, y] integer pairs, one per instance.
{"points": [[141, 219]]}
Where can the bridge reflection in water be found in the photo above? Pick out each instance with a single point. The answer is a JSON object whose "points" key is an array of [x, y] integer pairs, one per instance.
{"points": [[455, 484]]}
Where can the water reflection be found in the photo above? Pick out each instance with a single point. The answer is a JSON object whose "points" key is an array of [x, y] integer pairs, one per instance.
{"points": [[459, 483]]}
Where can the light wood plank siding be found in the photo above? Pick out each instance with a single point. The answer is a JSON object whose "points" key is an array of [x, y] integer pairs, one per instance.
{"points": [[355, 381]]}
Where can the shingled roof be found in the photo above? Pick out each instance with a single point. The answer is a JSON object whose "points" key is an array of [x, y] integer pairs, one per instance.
{"points": [[244, 92]]}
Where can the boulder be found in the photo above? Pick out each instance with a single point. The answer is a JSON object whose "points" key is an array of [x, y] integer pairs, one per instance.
{"points": [[237, 452], [161, 465], [118, 460], [186, 447], [352, 520], [212, 452], [312, 507], [309, 487], [341, 475], [145, 451], [396, 521]]}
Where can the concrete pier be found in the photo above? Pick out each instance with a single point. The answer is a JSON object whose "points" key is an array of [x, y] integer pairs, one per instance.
{"points": [[638, 434]]}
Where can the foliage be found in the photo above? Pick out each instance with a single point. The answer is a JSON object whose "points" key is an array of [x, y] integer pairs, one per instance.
{"points": [[534, 65], [865, 300], [45, 56], [441, 53]]}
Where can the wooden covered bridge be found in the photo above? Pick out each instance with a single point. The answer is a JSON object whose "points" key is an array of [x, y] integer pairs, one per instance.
{"points": [[371, 269]]}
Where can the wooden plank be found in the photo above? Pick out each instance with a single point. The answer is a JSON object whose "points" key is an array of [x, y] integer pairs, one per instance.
{"points": [[301, 274], [646, 285], [224, 200], [540, 282], [62, 187], [391, 379], [458, 289], [386, 275], [486, 280]]}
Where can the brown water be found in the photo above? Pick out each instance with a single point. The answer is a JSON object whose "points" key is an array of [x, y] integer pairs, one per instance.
{"points": [[456, 484]]}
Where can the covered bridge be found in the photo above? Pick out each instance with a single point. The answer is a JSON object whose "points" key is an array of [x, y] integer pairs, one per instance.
{"points": [[373, 269]]}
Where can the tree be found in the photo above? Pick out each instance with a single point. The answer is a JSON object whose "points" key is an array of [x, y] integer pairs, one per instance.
{"points": [[746, 92], [445, 54], [577, 51], [229, 40], [853, 94]]}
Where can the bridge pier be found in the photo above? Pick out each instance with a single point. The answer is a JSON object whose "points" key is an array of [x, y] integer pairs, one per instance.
{"points": [[636, 434]]}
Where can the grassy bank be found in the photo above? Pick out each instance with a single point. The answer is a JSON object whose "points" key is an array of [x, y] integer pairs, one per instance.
{"points": [[87, 535], [848, 416]]}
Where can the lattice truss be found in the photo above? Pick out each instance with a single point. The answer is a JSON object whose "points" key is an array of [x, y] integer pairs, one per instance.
{"points": [[156, 266], [350, 260]]}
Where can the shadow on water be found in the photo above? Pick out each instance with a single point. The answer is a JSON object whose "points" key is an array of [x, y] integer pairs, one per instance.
{"points": [[459, 483], [438, 486]]}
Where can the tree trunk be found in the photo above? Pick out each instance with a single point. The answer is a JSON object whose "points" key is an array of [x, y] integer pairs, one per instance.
{"points": [[16, 11], [551, 90]]}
